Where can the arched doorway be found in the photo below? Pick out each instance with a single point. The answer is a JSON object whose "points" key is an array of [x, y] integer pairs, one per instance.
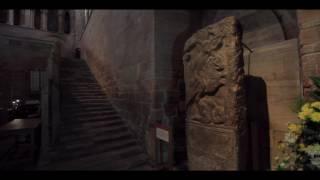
{"points": [[37, 19], [66, 22], [3, 16], [17, 20], [52, 22]]}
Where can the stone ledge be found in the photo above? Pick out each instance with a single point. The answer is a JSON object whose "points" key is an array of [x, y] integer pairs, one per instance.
{"points": [[310, 48]]}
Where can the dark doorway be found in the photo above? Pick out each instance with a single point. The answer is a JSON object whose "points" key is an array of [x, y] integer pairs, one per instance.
{"points": [[258, 119], [67, 22], [52, 22], [37, 19], [17, 17], [3, 16]]}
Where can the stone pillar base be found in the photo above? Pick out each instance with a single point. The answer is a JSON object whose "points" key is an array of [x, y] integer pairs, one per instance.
{"points": [[215, 148]]}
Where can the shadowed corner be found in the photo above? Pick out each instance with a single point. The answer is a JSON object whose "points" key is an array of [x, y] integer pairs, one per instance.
{"points": [[258, 123]]}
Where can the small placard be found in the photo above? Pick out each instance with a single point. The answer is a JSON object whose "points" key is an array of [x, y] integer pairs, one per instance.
{"points": [[162, 134]]}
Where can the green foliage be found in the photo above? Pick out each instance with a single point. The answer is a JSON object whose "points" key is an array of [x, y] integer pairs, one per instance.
{"points": [[298, 103], [315, 94]]}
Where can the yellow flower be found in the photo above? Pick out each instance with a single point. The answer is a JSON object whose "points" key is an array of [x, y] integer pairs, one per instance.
{"points": [[305, 107], [316, 105], [295, 128], [306, 111], [315, 117], [281, 146], [301, 146]]}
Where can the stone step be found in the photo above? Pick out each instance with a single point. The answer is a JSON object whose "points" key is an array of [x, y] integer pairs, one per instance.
{"points": [[87, 147], [80, 163], [77, 83], [84, 98], [90, 118], [87, 109], [97, 138], [96, 131], [84, 93], [75, 72], [91, 125], [78, 80], [90, 113], [102, 123], [75, 67], [76, 150], [73, 62], [83, 90], [75, 88], [84, 103], [119, 164]]}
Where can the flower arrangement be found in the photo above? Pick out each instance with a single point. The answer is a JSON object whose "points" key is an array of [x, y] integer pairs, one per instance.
{"points": [[300, 149]]}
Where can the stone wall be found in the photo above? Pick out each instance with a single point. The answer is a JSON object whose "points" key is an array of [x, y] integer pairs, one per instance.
{"points": [[309, 40], [118, 46]]}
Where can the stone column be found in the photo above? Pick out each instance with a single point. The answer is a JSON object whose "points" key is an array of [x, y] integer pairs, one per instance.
{"points": [[309, 41], [44, 19], [26, 18], [10, 17], [60, 21], [215, 98], [31, 19]]}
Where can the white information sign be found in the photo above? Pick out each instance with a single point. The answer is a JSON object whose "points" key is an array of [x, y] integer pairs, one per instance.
{"points": [[162, 134]]}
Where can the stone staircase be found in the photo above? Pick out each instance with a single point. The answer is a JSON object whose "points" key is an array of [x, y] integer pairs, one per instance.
{"points": [[92, 134]]}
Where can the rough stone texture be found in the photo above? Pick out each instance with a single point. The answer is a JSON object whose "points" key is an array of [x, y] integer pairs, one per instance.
{"points": [[273, 87], [309, 40], [215, 99]]}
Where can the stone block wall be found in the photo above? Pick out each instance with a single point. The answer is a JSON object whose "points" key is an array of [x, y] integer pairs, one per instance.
{"points": [[309, 40]]}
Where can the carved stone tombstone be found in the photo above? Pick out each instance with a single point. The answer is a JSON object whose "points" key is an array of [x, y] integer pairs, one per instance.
{"points": [[215, 97]]}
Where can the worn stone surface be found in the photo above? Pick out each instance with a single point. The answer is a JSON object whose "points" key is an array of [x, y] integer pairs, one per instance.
{"points": [[213, 69], [309, 40]]}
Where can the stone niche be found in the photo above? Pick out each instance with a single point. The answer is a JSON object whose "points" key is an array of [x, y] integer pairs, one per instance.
{"points": [[215, 98]]}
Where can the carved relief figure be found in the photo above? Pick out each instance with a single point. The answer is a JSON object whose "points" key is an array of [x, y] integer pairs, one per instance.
{"points": [[213, 70]]}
